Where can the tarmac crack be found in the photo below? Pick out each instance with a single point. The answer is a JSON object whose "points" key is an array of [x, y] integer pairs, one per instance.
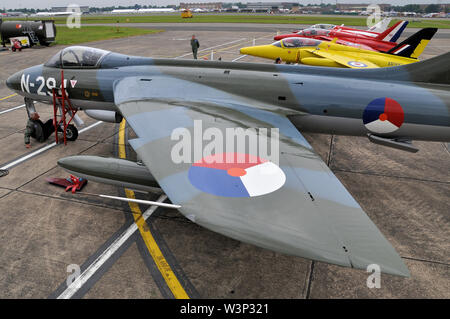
{"points": [[310, 279], [10, 190], [98, 142], [12, 133], [21, 256], [427, 261], [180, 219], [330, 152], [390, 176], [71, 200]]}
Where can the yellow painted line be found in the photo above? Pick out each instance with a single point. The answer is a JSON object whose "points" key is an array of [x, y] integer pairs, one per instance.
{"points": [[7, 97], [166, 271], [163, 266], [122, 153]]}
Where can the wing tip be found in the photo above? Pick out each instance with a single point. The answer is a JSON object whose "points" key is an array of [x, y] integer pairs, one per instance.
{"points": [[394, 266], [400, 270]]}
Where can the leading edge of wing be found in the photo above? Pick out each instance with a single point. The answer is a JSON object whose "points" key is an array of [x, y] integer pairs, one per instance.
{"points": [[312, 215]]}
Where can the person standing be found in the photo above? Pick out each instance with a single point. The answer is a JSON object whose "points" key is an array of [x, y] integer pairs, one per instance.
{"points": [[195, 45]]}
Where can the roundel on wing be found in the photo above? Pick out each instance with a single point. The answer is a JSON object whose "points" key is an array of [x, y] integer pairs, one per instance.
{"points": [[383, 115], [236, 175], [357, 64]]}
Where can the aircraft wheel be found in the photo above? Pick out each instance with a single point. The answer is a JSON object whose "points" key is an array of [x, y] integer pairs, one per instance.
{"points": [[71, 132]]}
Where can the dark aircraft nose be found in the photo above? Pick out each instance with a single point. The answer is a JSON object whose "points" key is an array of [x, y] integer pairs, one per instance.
{"points": [[13, 82]]}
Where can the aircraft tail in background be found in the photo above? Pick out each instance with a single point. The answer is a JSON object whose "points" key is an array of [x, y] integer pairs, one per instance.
{"points": [[380, 26], [393, 33], [415, 44]]}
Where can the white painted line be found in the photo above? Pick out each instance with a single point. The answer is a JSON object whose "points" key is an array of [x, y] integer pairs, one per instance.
{"points": [[45, 148], [140, 201], [216, 46], [90, 126], [228, 52], [105, 255], [237, 59], [12, 109]]}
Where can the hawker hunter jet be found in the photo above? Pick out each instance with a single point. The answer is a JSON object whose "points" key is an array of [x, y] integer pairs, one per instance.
{"points": [[347, 55], [383, 42], [197, 123]]}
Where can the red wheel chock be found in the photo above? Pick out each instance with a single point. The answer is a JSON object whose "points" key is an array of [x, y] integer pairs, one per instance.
{"points": [[72, 183]]}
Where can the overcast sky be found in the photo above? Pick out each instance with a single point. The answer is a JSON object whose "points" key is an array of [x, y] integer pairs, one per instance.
{"points": [[41, 4]]}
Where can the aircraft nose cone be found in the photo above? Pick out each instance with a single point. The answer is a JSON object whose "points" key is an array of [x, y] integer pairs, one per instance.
{"points": [[9, 82], [246, 50], [262, 51], [13, 82], [256, 50]]}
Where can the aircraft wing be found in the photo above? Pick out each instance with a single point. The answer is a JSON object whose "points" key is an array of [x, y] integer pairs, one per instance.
{"points": [[343, 59], [294, 205]]}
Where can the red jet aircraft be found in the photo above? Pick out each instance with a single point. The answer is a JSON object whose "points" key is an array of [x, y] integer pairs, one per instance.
{"points": [[382, 42]]}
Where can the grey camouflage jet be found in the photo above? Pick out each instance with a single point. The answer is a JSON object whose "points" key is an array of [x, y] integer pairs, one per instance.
{"points": [[294, 204]]}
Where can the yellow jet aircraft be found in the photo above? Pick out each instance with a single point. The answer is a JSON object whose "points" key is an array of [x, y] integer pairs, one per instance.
{"points": [[325, 53]]}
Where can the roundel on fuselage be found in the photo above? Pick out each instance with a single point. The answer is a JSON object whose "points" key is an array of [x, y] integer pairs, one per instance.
{"points": [[383, 115]]}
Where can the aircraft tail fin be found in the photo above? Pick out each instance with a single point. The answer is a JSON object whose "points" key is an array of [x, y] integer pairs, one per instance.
{"points": [[397, 32], [433, 71], [415, 44], [388, 34], [380, 26]]}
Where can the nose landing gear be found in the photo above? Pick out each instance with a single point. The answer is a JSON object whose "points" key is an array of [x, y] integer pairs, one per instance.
{"points": [[29, 105], [71, 132]]}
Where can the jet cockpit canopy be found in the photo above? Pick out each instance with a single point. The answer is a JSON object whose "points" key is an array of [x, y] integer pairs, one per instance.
{"points": [[77, 57], [313, 32], [322, 26], [295, 42]]}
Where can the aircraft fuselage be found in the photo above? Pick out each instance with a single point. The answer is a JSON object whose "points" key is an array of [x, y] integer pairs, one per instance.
{"points": [[317, 99]]}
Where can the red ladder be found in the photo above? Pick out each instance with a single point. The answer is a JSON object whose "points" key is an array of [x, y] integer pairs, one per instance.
{"points": [[66, 108]]}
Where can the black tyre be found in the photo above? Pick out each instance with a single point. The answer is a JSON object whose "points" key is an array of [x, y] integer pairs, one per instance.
{"points": [[71, 132]]}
